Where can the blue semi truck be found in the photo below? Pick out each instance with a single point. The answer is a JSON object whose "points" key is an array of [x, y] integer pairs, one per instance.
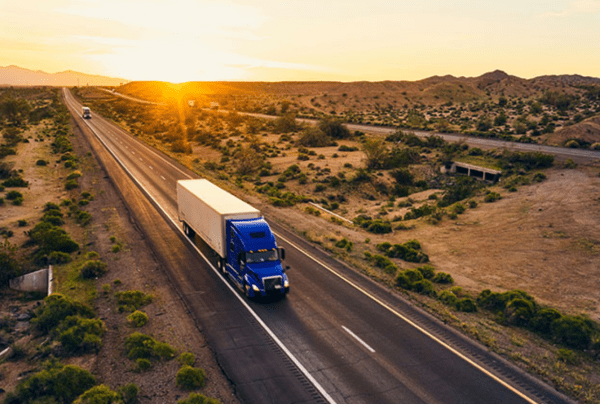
{"points": [[239, 235]]}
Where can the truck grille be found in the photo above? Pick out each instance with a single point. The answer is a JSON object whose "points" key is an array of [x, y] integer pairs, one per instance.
{"points": [[272, 284]]}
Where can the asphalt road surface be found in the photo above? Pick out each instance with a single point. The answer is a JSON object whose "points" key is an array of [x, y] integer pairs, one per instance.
{"points": [[337, 338]]}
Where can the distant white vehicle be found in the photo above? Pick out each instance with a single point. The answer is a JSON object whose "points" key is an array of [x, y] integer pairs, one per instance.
{"points": [[87, 114]]}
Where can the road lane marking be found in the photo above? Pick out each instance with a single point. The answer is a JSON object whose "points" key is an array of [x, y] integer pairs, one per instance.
{"points": [[141, 159], [358, 339], [163, 178], [151, 167], [410, 322]]}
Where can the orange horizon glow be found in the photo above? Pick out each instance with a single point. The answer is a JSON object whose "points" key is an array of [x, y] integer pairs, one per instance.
{"points": [[327, 40]]}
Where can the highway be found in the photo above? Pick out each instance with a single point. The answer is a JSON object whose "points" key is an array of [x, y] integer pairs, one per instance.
{"points": [[337, 338]]}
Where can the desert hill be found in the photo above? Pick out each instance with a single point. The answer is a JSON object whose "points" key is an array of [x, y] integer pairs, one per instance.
{"points": [[18, 76]]}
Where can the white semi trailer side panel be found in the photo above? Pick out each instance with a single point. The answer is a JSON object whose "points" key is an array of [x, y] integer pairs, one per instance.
{"points": [[205, 207]]}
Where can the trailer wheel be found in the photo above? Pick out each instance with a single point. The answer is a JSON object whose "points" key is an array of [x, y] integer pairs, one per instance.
{"points": [[187, 230]]}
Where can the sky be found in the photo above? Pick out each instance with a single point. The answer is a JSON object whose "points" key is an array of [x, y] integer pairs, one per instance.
{"points": [[301, 40]]}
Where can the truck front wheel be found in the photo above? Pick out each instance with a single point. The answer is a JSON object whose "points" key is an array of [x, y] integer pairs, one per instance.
{"points": [[247, 290]]}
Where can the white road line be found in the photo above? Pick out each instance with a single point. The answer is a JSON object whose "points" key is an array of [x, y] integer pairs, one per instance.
{"points": [[406, 319], [358, 339], [151, 167], [141, 159], [132, 152], [163, 178]]}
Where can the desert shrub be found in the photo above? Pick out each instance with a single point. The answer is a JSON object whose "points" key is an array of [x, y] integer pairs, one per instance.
{"points": [[409, 251], [539, 177], [442, 277], [138, 318], [83, 217], [141, 346], [74, 175], [462, 188], [541, 322], [71, 184], [41, 163], [56, 309], [402, 281], [196, 398], [100, 394], [345, 244], [54, 384], [187, 358], [12, 195], [497, 302], [573, 331], [424, 287], [344, 148], [9, 266], [59, 257], [448, 298], [93, 269], [333, 128], [492, 197], [427, 271], [129, 393], [15, 182], [143, 364], [190, 378], [379, 227], [314, 137], [313, 211], [132, 300], [413, 275], [519, 311], [466, 304], [81, 335]]}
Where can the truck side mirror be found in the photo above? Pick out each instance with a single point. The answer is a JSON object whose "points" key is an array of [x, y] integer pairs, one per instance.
{"points": [[287, 267], [281, 253]]}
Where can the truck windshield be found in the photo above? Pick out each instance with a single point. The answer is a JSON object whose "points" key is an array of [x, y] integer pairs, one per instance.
{"points": [[263, 256]]}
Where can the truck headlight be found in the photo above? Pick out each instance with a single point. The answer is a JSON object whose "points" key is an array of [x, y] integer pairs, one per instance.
{"points": [[286, 284], [255, 288]]}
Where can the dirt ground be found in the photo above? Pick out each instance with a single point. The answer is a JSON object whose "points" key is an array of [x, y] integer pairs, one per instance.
{"points": [[134, 266]]}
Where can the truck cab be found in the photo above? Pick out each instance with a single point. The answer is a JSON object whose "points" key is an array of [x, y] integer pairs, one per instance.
{"points": [[253, 259]]}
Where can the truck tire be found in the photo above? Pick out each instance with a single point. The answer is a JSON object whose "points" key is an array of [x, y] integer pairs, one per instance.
{"points": [[187, 230], [247, 290]]}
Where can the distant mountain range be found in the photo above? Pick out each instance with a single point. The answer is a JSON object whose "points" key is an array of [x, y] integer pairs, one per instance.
{"points": [[18, 76]]}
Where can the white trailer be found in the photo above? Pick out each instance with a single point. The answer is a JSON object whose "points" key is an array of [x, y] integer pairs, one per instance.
{"points": [[205, 208]]}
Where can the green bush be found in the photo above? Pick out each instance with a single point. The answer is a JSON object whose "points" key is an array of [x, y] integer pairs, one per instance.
{"points": [[132, 300], [138, 318], [41, 163], [74, 175], [100, 394], [448, 298], [81, 335], [442, 277], [573, 331], [402, 281], [466, 304], [83, 217], [541, 322], [492, 197], [58, 257], [409, 251], [54, 384], [427, 271], [12, 195], [52, 238], [187, 358], [57, 308], [143, 364], [519, 311], [93, 269], [71, 184], [129, 393], [424, 287], [196, 398], [15, 182], [190, 378], [144, 346]]}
